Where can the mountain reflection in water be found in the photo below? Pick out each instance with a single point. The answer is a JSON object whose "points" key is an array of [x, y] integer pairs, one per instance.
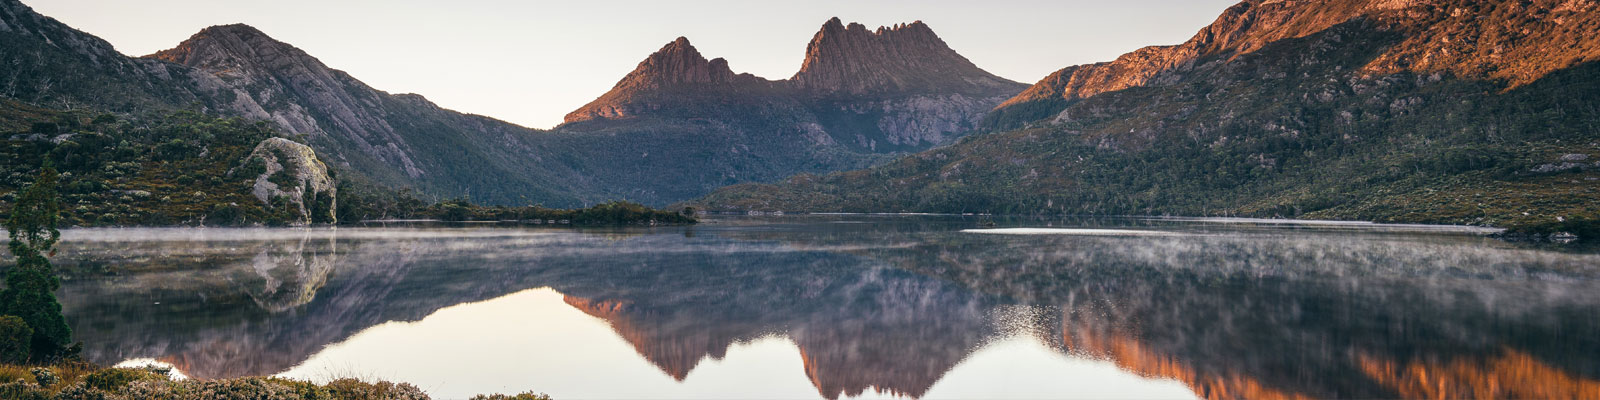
{"points": [[889, 306]]}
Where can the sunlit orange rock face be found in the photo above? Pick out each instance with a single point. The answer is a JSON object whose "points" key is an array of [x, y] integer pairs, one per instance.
{"points": [[1130, 355], [1513, 41], [1510, 375], [1507, 374]]}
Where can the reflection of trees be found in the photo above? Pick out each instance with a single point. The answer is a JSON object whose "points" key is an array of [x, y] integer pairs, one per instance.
{"points": [[894, 307], [215, 309], [1262, 338], [223, 312], [1311, 315]]}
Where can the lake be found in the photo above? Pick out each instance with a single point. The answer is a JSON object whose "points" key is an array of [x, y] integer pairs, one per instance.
{"points": [[853, 306]]}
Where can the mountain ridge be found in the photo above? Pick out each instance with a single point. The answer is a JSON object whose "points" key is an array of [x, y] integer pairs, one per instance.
{"points": [[842, 62], [870, 92], [1328, 109], [1252, 24], [252, 65], [677, 127]]}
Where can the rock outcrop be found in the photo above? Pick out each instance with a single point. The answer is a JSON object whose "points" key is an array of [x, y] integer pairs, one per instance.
{"points": [[294, 177], [1517, 42], [905, 58], [678, 65]]}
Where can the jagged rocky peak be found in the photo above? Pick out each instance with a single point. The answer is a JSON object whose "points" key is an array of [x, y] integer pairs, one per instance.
{"points": [[224, 46], [854, 59], [676, 65]]}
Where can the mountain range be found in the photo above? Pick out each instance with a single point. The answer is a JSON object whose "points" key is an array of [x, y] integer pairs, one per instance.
{"points": [[676, 128], [1438, 111]]}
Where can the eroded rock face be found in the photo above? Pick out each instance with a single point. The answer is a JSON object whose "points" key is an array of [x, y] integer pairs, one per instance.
{"points": [[1517, 42], [905, 58], [308, 182], [274, 81], [929, 120]]}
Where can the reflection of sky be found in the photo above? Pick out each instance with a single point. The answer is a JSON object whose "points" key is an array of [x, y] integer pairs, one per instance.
{"points": [[532, 340]]}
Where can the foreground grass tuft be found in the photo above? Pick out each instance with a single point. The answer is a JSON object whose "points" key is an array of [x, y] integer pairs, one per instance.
{"points": [[82, 381]]}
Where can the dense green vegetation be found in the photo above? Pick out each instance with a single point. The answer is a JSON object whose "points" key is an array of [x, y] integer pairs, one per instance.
{"points": [[1297, 129], [29, 295], [170, 169], [188, 168], [360, 202]]}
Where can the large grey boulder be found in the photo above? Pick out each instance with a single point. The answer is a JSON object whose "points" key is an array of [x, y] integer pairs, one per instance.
{"points": [[294, 177]]}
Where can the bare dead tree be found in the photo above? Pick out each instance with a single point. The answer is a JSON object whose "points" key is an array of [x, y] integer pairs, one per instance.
{"points": [[44, 89]]}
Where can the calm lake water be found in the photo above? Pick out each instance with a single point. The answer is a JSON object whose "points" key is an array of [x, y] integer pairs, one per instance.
{"points": [[835, 307]]}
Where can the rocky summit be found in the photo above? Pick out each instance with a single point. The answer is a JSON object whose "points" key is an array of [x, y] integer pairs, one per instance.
{"points": [[865, 91], [678, 65], [905, 58]]}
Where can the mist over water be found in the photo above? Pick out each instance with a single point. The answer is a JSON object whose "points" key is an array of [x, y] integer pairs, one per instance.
{"points": [[851, 306]]}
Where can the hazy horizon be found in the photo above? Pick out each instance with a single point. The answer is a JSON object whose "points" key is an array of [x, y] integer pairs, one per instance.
{"points": [[531, 63]]}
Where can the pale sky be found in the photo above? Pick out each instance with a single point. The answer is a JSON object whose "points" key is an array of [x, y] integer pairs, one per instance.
{"points": [[531, 62]]}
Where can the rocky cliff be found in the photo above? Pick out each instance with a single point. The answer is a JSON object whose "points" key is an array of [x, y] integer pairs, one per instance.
{"points": [[905, 58], [1515, 42]]}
